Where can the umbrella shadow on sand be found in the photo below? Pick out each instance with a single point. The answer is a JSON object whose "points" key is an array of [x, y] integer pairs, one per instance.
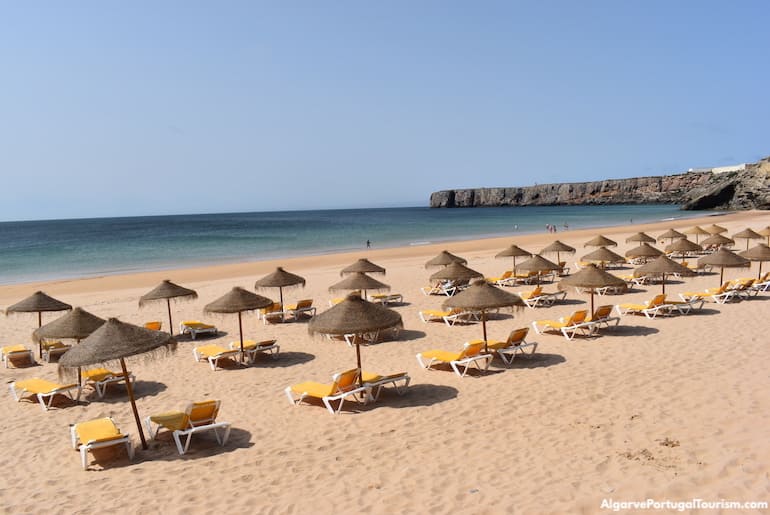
{"points": [[416, 396], [183, 338], [406, 335], [283, 360], [536, 360], [627, 330], [117, 393]]}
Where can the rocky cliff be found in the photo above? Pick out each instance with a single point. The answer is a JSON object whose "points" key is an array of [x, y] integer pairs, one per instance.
{"points": [[748, 189]]}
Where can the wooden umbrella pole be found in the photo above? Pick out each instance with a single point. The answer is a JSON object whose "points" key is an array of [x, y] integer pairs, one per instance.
{"points": [[40, 342], [130, 389], [484, 328], [358, 359], [170, 324], [664, 283], [240, 330], [280, 296]]}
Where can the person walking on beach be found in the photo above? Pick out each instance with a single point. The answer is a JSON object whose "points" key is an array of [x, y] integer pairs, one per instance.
{"points": [[368, 244]]}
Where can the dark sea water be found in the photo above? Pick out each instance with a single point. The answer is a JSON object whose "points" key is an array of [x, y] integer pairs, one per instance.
{"points": [[43, 250]]}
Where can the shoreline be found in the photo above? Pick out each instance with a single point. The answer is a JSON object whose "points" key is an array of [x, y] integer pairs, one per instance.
{"points": [[233, 270]]}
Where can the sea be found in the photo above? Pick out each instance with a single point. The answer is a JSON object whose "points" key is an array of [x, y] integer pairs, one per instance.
{"points": [[63, 249]]}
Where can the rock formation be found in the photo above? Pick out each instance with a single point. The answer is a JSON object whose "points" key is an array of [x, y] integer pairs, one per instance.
{"points": [[747, 189]]}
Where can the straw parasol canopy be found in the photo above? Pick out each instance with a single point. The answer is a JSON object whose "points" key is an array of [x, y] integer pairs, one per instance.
{"points": [[38, 302], [537, 263], [765, 232], [482, 296], [167, 291], [357, 316], [455, 272], [724, 258], [759, 253], [671, 234], [557, 248], [645, 250], [662, 265], [115, 341], [445, 258], [748, 234], [697, 231], [715, 229], [77, 324], [590, 278], [280, 279], [363, 265], [603, 255], [513, 251], [359, 281], [238, 300], [717, 240], [600, 241], [640, 237], [683, 245]]}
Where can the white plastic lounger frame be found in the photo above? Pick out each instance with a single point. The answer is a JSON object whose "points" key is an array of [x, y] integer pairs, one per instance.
{"points": [[214, 359], [361, 392], [101, 386], [18, 353], [456, 364], [265, 347], [88, 446], [195, 331], [507, 354], [46, 399], [375, 387]]}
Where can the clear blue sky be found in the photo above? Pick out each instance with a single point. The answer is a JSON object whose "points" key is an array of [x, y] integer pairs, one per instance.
{"points": [[155, 107]]}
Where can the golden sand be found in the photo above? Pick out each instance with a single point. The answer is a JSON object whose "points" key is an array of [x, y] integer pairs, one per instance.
{"points": [[673, 408]]}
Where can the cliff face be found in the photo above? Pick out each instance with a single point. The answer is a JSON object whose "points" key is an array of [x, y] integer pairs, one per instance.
{"points": [[749, 189]]}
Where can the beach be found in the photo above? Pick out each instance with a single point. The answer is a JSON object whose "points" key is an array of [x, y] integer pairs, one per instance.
{"points": [[671, 408]]}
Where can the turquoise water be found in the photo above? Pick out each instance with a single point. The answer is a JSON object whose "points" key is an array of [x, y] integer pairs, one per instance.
{"points": [[55, 249]]}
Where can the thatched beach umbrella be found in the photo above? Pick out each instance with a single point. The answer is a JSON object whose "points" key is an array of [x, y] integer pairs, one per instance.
{"points": [[557, 248], [591, 278], [38, 302], [645, 250], [671, 234], [482, 296], [697, 231], [280, 279], [748, 234], [600, 241], [445, 258], [238, 300], [115, 341], [765, 232], [537, 263], [514, 252], [715, 229], [760, 253], [682, 246], [640, 237], [603, 255], [75, 325], [717, 240], [167, 291], [363, 265], [724, 258], [359, 281], [662, 265], [455, 272], [356, 316]]}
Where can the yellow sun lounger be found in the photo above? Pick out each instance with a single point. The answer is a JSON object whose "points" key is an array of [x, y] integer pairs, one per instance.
{"points": [[95, 434], [515, 344], [719, 295], [196, 418], [471, 354], [44, 390], [376, 383], [101, 378], [302, 308], [194, 328], [568, 326], [602, 317], [53, 348], [213, 354], [449, 316], [252, 349], [651, 309], [12, 352], [344, 385], [386, 298], [155, 325], [537, 297]]}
